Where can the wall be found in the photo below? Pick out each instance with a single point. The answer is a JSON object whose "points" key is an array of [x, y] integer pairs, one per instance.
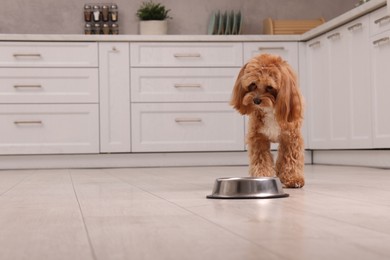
{"points": [[189, 16]]}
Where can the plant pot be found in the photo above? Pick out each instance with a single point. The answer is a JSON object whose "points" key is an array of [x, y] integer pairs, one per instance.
{"points": [[153, 27]]}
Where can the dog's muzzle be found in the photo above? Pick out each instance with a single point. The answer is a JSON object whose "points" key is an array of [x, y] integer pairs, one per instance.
{"points": [[257, 101]]}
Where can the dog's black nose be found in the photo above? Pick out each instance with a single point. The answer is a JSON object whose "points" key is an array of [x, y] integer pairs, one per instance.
{"points": [[257, 101]]}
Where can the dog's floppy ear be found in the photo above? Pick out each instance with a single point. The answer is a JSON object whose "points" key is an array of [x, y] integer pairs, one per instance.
{"points": [[289, 103], [239, 93]]}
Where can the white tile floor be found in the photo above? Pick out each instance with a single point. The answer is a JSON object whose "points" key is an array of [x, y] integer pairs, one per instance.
{"points": [[162, 213]]}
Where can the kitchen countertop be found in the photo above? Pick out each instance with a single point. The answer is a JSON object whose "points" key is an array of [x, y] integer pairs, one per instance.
{"points": [[331, 24]]}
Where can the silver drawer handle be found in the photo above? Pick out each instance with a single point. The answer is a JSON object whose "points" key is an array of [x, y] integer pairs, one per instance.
{"points": [[32, 122], [27, 86], [314, 44], [334, 36], [271, 48], [187, 55], [381, 41], [188, 120], [387, 17], [27, 55], [188, 86], [355, 26]]}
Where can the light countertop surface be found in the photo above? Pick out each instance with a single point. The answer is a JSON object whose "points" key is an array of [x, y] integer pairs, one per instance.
{"points": [[329, 25]]}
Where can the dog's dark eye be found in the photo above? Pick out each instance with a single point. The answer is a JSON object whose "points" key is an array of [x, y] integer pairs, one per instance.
{"points": [[269, 89], [252, 87]]}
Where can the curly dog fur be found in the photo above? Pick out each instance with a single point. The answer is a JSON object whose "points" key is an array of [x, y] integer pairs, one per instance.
{"points": [[267, 91]]}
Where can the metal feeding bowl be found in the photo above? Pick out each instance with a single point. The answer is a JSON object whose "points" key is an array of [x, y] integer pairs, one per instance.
{"points": [[247, 188]]}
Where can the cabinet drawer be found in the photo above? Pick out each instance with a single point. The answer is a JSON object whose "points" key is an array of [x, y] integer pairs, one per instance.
{"points": [[48, 85], [287, 50], [186, 127], [49, 129], [182, 85], [186, 54], [48, 54], [379, 21]]}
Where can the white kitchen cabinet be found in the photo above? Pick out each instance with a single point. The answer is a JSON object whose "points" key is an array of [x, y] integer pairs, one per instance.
{"points": [[360, 90], [379, 21], [337, 69], [172, 127], [49, 129], [114, 77], [180, 95], [49, 85], [318, 107], [380, 56], [48, 54], [182, 85], [179, 54], [339, 99], [49, 98], [287, 50]]}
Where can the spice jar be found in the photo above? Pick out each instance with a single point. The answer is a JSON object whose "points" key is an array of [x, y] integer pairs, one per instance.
{"points": [[114, 28], [106, 28], [87, 13], [96, 13], [88, 28], [96, 28], [114, 13], [105, 13]]}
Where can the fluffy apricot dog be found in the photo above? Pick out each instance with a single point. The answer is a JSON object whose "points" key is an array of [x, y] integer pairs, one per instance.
{"points": [[267, 91]]}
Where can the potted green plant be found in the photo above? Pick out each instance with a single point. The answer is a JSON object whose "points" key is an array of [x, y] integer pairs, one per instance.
{"points": [[153, 18]]}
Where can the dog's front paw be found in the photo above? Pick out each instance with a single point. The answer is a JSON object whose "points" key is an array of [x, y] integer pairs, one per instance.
{"points": [[294, 183]]}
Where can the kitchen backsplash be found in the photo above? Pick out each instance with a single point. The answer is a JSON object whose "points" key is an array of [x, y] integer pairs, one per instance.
{"points": [[189, 16]]}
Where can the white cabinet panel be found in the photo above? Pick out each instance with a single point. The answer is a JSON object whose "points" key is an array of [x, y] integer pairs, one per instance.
{"points": [[318, 107], [379, 21], [339, 101], [149, 54], [114, 97], [380, 50], [49, 129], [48, 54], [182, 85], [287, 50], [186, 127], [338, 66], [49, 85], [360, 90]]}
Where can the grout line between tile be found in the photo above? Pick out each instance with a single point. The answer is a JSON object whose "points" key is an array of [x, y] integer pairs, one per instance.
{"points": [[83, 218], [16, 184]]}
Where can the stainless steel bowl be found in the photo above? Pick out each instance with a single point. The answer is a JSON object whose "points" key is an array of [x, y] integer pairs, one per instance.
{"points": [[247, 188]]}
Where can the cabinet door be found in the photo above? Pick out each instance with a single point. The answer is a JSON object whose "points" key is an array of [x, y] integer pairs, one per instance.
{"points": [[359, 88], [379, 21], [380, 50], [49, 128], [339, 84], [286, 50], [175, 127], [48, 54], [339, 101], [317, 58], [49, 85], [184, 54], [182, 84], [114, 75]]}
